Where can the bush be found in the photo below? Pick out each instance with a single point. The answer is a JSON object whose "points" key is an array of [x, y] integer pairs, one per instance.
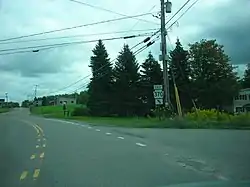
{"points": [[80, 111], [215, 119], [208, 115]]}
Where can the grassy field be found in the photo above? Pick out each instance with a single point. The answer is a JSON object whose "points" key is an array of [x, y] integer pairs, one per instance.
{"points": [[212, 119], [2, 110], [52, 111]]}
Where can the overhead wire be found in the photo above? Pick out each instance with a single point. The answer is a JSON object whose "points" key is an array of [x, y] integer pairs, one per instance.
{"points": [[157, 38], [49, 46], [79, 35], [110, 11], [75, 27], [175, 20]]}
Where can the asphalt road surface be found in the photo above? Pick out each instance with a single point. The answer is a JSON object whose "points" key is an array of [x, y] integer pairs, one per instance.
{"points": [[40, 152]]}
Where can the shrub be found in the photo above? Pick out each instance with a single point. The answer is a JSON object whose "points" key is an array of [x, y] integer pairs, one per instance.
{"points": [[80, 111], [207, 115]]}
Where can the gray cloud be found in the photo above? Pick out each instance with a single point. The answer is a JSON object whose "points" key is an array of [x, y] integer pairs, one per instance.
{"points": [[224, 20]]}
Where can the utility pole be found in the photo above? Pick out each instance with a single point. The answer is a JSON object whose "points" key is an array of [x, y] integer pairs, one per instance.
{"points": [[35, 92], [164, 52], [7, 98]]}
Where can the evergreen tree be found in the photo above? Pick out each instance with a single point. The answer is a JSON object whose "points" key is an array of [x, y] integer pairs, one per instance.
{"points": [[99, 101], [246, 78], [151, 75], [215, 82], [126, 82], [180, 69]]}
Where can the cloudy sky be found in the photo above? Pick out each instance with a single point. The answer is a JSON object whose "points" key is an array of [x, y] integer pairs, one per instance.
{"points": [[227, 21]]}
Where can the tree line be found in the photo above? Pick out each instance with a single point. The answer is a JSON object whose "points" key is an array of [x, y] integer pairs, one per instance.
{"points": [[203, 73]]}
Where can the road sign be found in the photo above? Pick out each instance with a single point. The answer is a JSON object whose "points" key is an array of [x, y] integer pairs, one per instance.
{"points": [[158, 94], [157, 87], [158, 101]]}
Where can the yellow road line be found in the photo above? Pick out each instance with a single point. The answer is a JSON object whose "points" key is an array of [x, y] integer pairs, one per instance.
{"points": [[42, 155], [41, 130], [33, 157], [37, 130], [23, 175], [36, 173], [30, 124]]}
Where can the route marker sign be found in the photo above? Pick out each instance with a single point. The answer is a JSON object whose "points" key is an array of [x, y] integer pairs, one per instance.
{"points": [[158, 94]]}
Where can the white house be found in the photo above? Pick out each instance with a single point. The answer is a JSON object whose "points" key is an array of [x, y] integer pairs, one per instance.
{"points": [[66, 100], [241, 102]]}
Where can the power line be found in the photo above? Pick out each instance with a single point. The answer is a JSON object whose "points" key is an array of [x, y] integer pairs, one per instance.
{"points": [[79, 35], [139, 20], [173, 22], [49, 46], [74, 27], [110, 11], [144, 47]]}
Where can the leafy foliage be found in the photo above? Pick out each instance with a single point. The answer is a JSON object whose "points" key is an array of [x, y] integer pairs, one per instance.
{"points": [[214, 81], [246, 78]]}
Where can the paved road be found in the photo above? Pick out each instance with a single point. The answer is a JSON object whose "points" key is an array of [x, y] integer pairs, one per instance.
{"points": [[50, 153]]}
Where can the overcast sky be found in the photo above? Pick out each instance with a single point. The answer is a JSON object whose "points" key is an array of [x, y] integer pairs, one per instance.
{"points": [[227, 21]]}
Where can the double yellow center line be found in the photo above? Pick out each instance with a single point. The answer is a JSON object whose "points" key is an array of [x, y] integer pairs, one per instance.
{"points": [[40, 136]]}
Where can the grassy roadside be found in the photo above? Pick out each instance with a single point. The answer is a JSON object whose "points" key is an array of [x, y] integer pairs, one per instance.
{"points": [[52, 111], [207, 120], [3, 110]]}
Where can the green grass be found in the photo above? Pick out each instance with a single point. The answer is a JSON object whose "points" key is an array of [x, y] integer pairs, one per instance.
{"points": [[122, 121], [52, 111], [237, 122], [2, 110]]}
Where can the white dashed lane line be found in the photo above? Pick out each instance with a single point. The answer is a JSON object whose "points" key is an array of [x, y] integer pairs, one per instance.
{"points": [[120, 137], [108, 133], [98, 130], [83, 125], [89, 127], [140, 144]]}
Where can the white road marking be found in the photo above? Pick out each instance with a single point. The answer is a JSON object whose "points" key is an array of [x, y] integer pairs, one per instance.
{"points": [[98, 130], [83, 125], [140, 144], [89, 127], [166, 154], [108, 133], [120, 137]]}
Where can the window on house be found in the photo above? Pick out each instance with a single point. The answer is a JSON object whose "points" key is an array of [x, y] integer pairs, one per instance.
{"points": [[245, 97], [61, 102], [240, 97], [72, 101], [237, 97], [249, 97], [239, 109]]}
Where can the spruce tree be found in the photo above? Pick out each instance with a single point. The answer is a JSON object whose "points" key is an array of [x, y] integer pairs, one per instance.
{"points": [[100, 87], [126, 82]]}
